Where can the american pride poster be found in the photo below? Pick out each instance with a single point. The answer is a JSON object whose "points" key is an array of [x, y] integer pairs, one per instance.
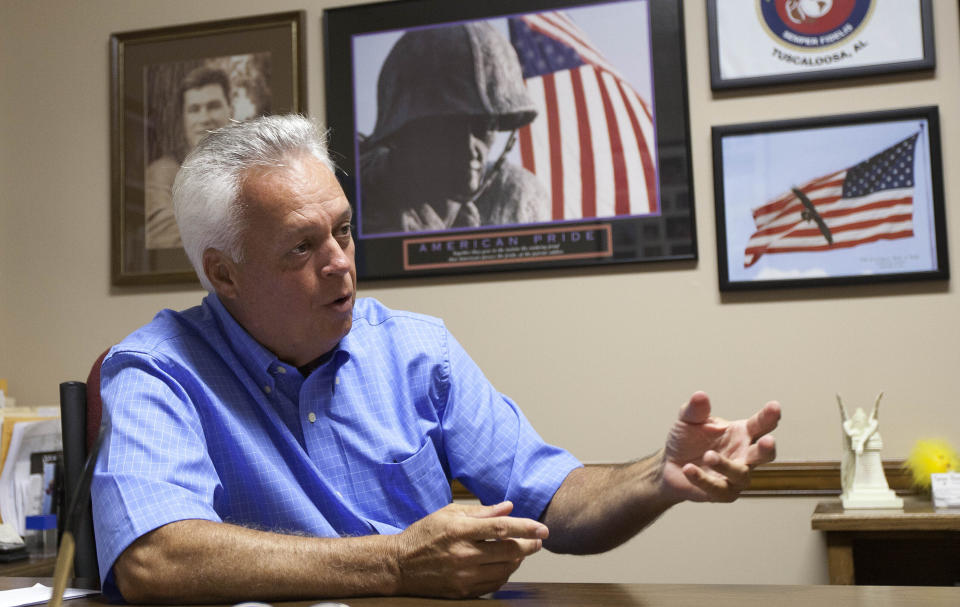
{"points": [[512, 134], [587, 70]]}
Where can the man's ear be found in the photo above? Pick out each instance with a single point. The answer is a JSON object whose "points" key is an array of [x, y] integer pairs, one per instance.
{"points": [[221, 271]]}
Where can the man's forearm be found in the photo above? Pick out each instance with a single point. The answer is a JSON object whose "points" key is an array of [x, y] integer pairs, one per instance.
{"points": [[599, 507], [202, 561], [449, 553]]}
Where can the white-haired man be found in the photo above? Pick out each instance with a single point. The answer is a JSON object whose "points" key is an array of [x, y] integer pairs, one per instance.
{"points": [[285, 439]]}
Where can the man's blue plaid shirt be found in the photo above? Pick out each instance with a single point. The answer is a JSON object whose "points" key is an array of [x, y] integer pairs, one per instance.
{"points": [[205, 423]]}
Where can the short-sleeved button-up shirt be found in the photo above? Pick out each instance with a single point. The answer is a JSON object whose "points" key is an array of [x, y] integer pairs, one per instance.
{"points": [[205, 423]]}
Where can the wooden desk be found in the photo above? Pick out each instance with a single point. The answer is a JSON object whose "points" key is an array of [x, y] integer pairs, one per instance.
{"points": [[30, 567], [678, 595], [639, 595], [914, 546]]}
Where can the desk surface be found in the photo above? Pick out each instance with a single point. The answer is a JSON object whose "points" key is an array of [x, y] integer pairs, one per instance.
{"points": [[641, 595], [42, 567], [917, 515]]}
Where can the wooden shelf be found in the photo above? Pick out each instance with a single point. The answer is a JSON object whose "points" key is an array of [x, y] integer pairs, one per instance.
{"points": [[918, 514], [918, 545]]}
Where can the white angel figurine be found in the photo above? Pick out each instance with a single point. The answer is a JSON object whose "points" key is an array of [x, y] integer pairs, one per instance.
{"points": [[861, 470]]}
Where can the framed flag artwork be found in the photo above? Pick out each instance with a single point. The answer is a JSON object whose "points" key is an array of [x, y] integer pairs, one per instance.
{"points": [[763, 42], [833, 200], [510, 134]]}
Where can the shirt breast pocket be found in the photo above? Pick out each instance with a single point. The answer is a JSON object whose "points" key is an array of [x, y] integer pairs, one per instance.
{"points": [[415, 486]]}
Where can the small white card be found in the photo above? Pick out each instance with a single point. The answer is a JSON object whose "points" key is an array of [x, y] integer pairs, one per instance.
{"points": [[946, 489], [37, 595]]}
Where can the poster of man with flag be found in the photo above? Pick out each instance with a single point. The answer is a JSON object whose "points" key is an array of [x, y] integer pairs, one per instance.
{"points": [[587, 137], [501, 135], [827, 200]]}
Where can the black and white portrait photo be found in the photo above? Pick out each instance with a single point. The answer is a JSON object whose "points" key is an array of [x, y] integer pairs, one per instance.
{"points": [[185, 101], [170, 87]]}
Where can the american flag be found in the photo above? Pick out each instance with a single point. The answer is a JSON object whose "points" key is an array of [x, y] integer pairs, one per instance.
{"points": [[870, 201], [593, 142]]}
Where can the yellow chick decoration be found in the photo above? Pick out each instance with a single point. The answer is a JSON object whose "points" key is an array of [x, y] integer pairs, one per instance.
{"points": [[930, 456]]}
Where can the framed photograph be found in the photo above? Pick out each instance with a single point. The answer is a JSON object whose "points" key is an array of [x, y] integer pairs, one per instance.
{"points": [[169, 87], [511, 134], [762, 42], [827, 201]]}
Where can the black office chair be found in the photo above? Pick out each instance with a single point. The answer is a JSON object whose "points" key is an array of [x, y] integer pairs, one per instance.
{"points": [[80, 409]]}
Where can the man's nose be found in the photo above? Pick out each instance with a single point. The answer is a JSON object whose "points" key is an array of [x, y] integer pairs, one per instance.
{"points": [[337, 261], [476, 145]]}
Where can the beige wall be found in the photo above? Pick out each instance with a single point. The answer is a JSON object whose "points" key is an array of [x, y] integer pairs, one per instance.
{"points": [[598, 358]]}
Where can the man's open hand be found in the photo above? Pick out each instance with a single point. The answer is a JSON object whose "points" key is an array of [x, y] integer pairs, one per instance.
{"points": [[464, 550], [709, 459]]}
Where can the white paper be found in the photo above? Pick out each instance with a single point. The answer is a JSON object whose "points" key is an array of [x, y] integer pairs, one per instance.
{"points": [[16, 489], [37, 594], [946, 489]]}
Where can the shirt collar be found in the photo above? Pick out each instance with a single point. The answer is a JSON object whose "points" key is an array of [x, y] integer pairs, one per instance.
{"points": [[258, 360]]}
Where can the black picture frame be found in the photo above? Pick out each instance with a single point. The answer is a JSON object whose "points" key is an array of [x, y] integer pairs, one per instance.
{"points": [[798, 205], [262, 57], [756, 44], [557, 241]]}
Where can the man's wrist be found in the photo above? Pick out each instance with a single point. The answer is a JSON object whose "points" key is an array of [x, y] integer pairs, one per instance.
{"points": [[663, 495], [393, 565]]}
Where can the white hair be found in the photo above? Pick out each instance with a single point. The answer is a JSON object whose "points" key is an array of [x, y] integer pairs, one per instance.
{"points": [[208, 189]]}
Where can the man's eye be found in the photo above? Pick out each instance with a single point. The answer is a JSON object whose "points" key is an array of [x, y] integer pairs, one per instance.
{"points": [[300, 248]]}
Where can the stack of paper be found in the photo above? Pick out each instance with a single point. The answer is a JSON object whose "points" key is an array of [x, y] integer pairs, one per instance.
{"points": [[21, 491]]}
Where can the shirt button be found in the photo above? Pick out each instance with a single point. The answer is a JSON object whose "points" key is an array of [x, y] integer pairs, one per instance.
{"points": [[337, 381], [267, 389], [311, 417], [281, 370]]}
